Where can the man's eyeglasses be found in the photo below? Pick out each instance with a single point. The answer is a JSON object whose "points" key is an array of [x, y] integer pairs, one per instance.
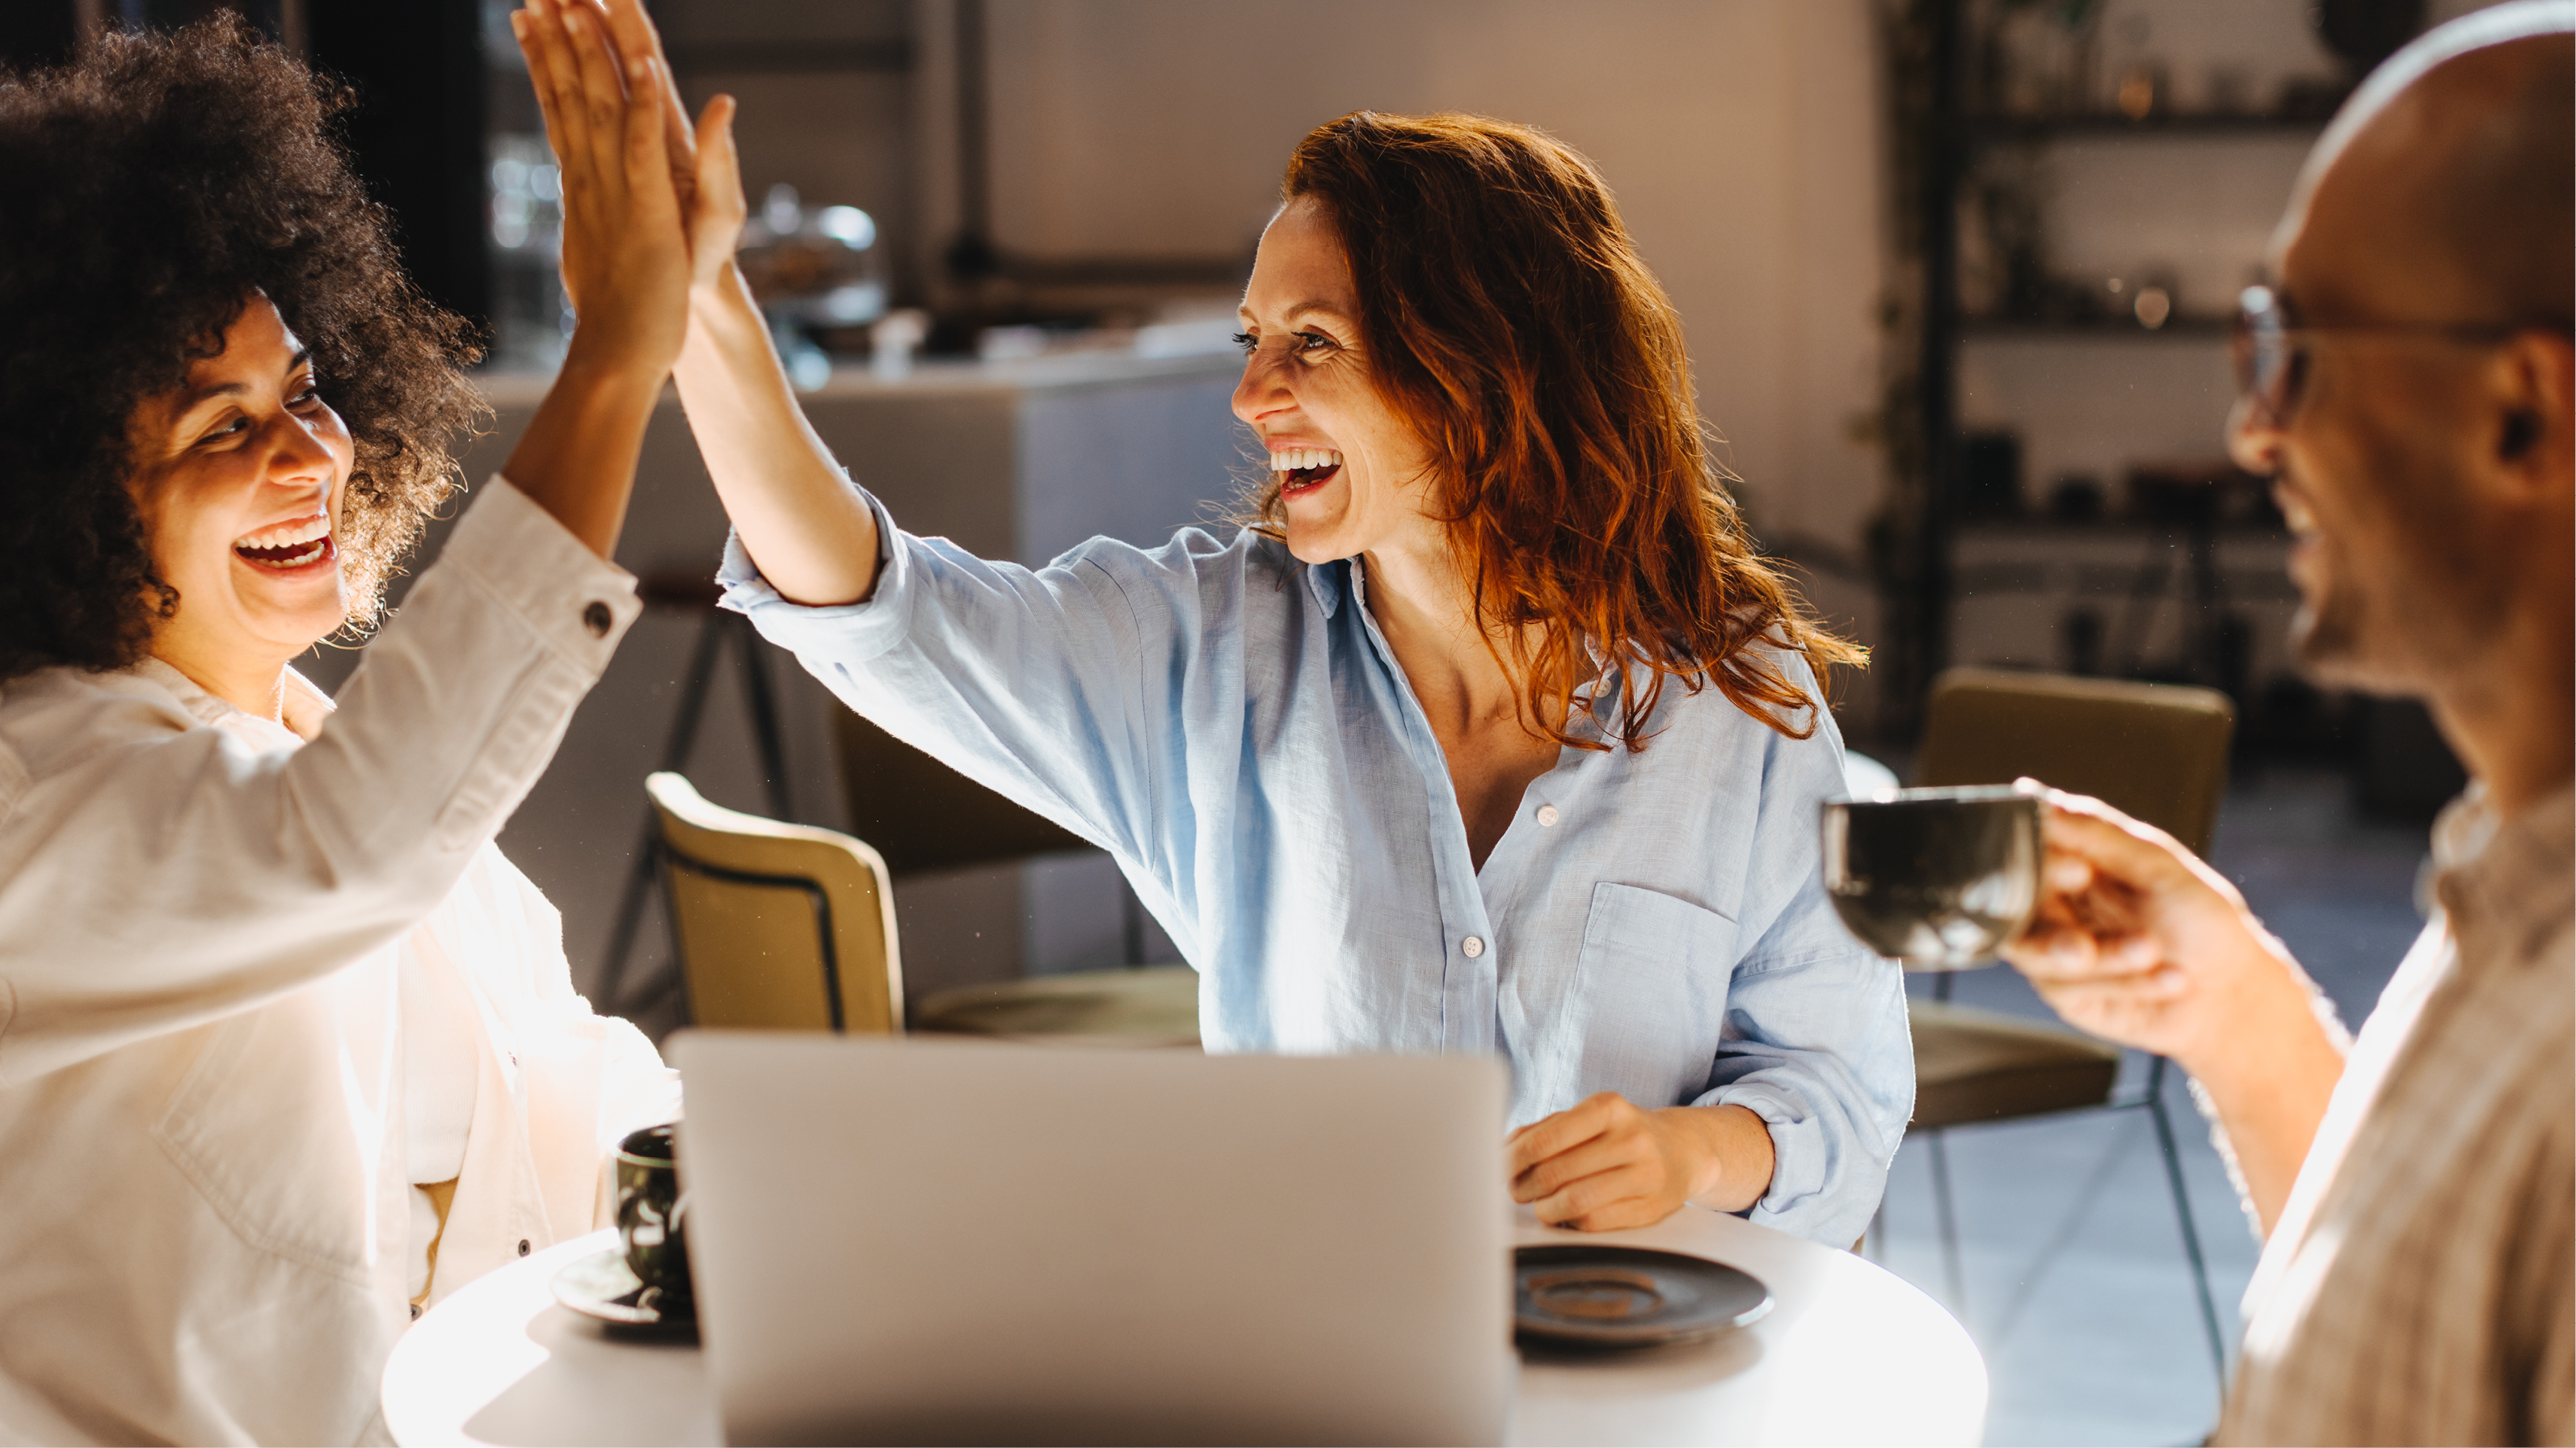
{"points": [[2271, 348]]}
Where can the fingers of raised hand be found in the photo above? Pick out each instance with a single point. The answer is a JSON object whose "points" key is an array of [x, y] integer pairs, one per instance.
{"points": [[2066, 874], [551, 71], [2110, 841], [648, 159], [636, 37], [603, 95], [714, 200]]}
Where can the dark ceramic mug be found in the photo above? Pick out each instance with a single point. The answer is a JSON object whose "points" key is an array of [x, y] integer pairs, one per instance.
{"points": [[1938, 878], [651, 1215]]}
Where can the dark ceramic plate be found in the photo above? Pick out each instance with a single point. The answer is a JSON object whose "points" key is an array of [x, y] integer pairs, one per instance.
{"points": [[1575, 1294], [602, 1286]]}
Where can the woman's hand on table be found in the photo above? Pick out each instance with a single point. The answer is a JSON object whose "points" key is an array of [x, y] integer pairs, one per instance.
{"points": [[1608, 1163], [2139, 941]]}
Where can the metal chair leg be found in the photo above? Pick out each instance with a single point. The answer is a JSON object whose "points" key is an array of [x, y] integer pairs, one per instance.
{"points": [[2183, 1218], [630, 914], [1947, 1217], [765, 733], [717, 626]]}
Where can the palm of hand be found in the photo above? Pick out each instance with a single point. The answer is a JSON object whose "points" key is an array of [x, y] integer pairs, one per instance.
{"points": [[649, 209]]}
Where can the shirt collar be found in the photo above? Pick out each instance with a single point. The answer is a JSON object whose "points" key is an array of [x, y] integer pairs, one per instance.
{"points": [[2514, 878], [1324, 580], [1610, 681], [304, 705]]}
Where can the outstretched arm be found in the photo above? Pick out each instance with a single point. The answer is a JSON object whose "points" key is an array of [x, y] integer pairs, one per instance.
{"points": [[2139, 942], [811, 535]]}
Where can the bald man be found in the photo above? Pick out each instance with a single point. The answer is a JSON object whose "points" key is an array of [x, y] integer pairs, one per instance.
{"points": [[2407, 384]]}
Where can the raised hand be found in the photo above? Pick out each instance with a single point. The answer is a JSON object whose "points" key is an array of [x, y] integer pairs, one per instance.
{"points": [[705, 169], [625, 266], [626, 259], [2137, 941]]}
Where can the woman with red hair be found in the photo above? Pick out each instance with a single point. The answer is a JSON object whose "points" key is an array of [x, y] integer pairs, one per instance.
{"points": [[1488, 732]]}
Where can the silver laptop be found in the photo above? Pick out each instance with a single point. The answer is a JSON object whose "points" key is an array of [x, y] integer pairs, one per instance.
{"points": [[946, 1241]]}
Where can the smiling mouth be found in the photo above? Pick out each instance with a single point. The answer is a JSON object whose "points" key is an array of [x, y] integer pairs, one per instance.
{"points": [[289, 546], [2294, 510], [1301, 469]]}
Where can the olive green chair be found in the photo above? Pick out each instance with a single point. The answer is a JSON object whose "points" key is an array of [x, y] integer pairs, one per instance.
{"points": [[779, 926], [2157, 752]]}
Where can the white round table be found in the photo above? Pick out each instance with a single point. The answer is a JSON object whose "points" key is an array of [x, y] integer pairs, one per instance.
{"points": [[1849, 1354]]}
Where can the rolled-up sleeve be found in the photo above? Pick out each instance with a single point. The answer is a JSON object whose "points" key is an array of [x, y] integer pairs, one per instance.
{"points": [[1815, 1039], [1040, 683], [155, 875], [1816, 1043]]}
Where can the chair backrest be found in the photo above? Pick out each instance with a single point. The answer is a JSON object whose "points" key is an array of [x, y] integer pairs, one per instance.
{"points": [[924, 815], [780, 926], [2157, 752]]}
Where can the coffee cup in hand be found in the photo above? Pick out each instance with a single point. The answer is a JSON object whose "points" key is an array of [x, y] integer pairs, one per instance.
{"points": [[1938, 878]]}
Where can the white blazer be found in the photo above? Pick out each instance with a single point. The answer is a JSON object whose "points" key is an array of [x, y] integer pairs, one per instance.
{"points": [[205, 1216]]}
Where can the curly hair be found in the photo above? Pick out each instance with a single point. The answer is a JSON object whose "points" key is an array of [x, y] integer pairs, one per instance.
{"points": [[1512, 323], [154, 185]]}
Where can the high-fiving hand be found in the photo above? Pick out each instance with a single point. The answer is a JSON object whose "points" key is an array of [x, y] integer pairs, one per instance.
{"points": [[651, 208], [611, 116]]}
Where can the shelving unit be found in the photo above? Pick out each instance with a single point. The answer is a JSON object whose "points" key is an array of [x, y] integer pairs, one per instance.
{"points": [[1996, 591]]}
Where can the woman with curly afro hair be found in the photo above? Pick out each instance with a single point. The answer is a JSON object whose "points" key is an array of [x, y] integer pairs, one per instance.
{"points": [[287, 1048]]}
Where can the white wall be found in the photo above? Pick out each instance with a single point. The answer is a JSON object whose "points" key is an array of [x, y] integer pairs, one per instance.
{"points": [[1740, 136]]}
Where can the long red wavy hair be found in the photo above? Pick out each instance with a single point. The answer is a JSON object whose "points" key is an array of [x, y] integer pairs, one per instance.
{"points": [[1512, 323]]}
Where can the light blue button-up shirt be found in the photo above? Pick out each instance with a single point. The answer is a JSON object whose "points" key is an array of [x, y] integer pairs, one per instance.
{"points": [[1230, 725]]}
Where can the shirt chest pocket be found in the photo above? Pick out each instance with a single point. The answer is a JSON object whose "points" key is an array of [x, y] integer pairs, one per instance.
{"points": [[1652, 980], [277, 1125]]}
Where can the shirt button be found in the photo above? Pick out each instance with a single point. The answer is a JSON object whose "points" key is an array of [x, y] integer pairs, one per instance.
{"points": [[1547, 814], [1474, 945], [597, 618], [523, 1246]]}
